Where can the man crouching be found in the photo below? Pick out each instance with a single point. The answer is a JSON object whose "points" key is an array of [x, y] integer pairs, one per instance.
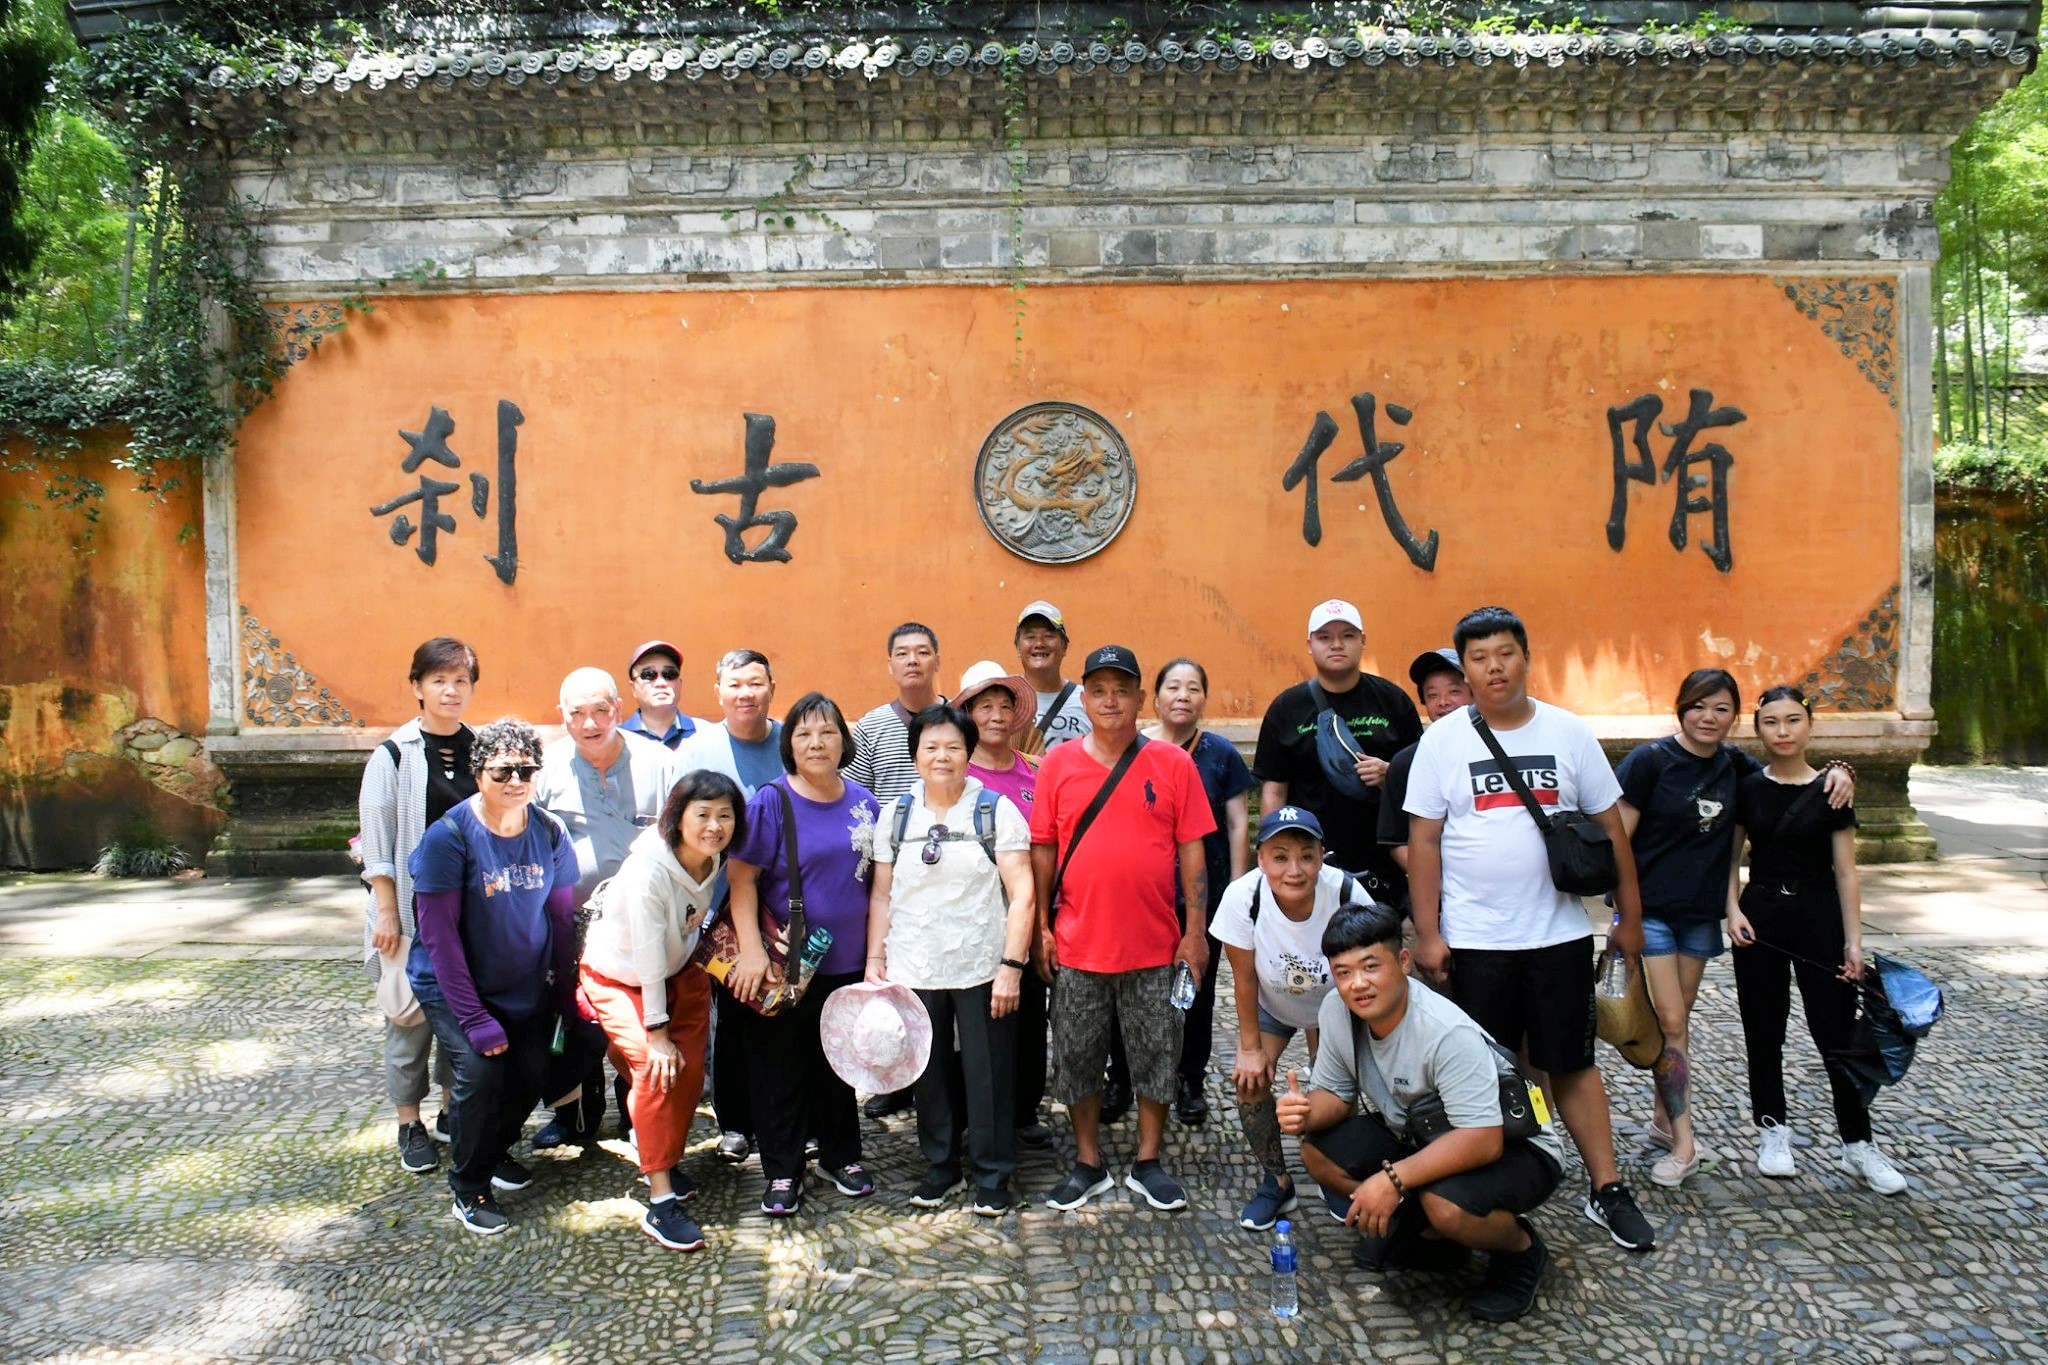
{"points": [[1427, 1072]]}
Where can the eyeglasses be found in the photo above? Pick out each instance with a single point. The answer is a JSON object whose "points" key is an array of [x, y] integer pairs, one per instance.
{"points": [[522, 772], [933, 838], [665, 674]]}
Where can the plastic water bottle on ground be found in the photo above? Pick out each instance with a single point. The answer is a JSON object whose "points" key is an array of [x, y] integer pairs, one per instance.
{"points": [[1286, 1299], [1183, 986]]}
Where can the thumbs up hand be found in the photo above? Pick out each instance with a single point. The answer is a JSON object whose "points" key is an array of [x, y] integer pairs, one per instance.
{"points": [[1292, 1107]]}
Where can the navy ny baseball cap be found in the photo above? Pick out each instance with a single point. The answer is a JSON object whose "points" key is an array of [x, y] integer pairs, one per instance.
{"points": [[1290, 819]]}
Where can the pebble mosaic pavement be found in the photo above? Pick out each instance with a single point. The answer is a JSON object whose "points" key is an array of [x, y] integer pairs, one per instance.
{"points": [[196, 1166]]}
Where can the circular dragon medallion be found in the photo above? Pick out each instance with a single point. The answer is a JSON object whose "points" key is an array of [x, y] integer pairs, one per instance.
{"points": [[1054, 483]]}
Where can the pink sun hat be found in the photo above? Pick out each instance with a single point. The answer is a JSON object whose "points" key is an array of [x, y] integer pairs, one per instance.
{"points": [[877, 1037]]}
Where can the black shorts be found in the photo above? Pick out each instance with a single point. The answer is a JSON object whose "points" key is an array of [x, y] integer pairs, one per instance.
{"points": [[1520, 1179], [1539, 996]]}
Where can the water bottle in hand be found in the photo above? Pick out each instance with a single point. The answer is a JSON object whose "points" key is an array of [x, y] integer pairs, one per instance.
{"points": [[1286, 1300], [1183, 986]]}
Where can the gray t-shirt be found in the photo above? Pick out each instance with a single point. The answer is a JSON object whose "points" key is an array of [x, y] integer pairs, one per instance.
{"points": [[605, 811], [1071, 723], [1435, 1048]]}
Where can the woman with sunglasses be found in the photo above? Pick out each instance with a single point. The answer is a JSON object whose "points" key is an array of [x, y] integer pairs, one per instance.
{"points": [[795, 1092], [655, 1010], [413, 778], [950, 916], [494, 882]]}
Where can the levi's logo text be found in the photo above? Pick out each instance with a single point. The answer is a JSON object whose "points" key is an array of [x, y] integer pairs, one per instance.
{"points": [[1491, 789]]}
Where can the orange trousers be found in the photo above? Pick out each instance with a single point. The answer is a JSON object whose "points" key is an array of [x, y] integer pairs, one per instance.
{"points": [[661, 1122]]}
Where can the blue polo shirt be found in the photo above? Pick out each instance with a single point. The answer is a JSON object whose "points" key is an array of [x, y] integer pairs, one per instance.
{"points": [[682, 729]]}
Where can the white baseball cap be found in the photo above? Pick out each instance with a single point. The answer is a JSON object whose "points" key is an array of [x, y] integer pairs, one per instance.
{"points": [[1336, 609]]}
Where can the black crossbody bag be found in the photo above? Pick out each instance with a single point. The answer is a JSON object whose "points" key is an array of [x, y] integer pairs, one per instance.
{"points": [[1102, 795], [1427, 1119], [1581, 855]]}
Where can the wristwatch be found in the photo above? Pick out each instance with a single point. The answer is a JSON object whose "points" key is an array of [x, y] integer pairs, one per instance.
{"points": [[1013, 962]]}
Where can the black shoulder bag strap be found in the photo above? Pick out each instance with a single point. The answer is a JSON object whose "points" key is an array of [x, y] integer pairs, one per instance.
{"points": [[1510, 772], [1342, 729], [798, 931], [1059, 704], [1102, 794]]}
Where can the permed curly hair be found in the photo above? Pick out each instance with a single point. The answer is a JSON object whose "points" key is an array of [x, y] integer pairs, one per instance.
{"points": [[506, 736]]}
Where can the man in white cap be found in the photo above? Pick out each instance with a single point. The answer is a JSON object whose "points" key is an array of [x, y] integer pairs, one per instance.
{"points": [[653, 673], [1325, 744], [1041, 650], [999, 704]]}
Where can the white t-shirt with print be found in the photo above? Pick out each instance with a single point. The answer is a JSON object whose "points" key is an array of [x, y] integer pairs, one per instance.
{"points": [[946, 919], [1294, 976], [1497, 892]]}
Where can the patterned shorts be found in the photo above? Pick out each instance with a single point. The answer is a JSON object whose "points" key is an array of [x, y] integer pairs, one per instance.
{"points": [[1084, 1004]]}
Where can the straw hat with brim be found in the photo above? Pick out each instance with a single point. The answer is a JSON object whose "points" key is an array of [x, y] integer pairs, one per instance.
{"points": [[980, 677], [877, 1036]]}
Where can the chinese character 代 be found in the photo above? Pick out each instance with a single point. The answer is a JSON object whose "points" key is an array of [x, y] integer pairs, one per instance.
{"points": [[1378, 455]]}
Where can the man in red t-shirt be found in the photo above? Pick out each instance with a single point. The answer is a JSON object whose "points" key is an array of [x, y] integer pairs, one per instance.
{"points": [[1114, 937]]}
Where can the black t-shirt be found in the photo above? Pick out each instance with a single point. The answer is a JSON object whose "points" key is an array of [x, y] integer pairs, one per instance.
{"points": [[449, 780], [1382, 721], [1791, 829], [1393, 826], [1687, 806]]}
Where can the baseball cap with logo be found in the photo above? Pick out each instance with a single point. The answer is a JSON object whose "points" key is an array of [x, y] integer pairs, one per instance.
{"points": [[1336, 609], [1047, 612], [1113, 657], [648, 648], [1290, 820], [1433, 661]]}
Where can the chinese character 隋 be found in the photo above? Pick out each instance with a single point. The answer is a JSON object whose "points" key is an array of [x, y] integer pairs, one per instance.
{"points": [[758, 476], [1701, 415], [1377, 456]]}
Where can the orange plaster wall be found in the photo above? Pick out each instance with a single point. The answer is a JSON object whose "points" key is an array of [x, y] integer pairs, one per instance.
{"points": [[121, 611], [892, 391]]}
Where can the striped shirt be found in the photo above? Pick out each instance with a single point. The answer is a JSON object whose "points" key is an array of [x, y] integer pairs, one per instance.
{"points": [[881, 752]]}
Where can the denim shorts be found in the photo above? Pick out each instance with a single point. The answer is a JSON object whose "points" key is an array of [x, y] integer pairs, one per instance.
{"points": [[1693, 938], [1268, 1024]]}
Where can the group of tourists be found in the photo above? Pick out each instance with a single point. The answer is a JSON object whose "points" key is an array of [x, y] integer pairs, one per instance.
{"points": [[1056, 880]]}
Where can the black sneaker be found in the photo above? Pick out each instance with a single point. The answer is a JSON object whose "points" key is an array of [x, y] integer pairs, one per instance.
{"points": [[931, 1191], [1614, 1208], [565, 1129], [992, 1203], [1034, 1134], [684, 1188], [853, 1181], [510, 1175], [882, 1106], [1190, 1105], [480, 1213], [1149, 1180], [415, 1149], [734, 1148], [444, 1128], [1082, 1184], [1509, 1289], [1116, 1101], [667, 1224], [782, 1198]]}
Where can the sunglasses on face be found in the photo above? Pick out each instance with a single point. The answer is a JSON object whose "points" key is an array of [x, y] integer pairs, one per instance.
{"points": [[665, 674], [510, 771]]}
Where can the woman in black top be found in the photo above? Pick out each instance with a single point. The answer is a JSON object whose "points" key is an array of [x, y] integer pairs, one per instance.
{"points": [[1678, 803], [1799, 916]]}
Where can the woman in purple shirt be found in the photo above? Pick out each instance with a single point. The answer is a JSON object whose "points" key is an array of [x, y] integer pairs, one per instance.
{"points": [[494, 890], [795, 1091]]}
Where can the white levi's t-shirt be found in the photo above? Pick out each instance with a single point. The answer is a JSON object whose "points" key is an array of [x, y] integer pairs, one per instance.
{"points": [[1294, 976], [1497, 891]]}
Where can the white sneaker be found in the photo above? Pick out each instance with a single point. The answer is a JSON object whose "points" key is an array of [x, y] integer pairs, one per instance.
{"points": [[1774, 1152], [1874, 1166]]}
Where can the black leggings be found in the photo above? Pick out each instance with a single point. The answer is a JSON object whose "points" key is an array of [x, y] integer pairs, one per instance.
{"points": [[1807, 920]]}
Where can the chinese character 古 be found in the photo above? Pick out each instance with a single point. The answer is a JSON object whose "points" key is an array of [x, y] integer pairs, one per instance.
{"points": [[758, 476]]}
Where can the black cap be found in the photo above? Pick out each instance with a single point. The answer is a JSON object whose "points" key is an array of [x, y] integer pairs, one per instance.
{"points": [[1113, 656], [1432, 661]]}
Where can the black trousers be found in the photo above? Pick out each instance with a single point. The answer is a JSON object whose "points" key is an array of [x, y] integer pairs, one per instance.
{"points": [[490, 1096], [731, 1097], [581, 1062], [1197, 1036], [1031, 1029], [965, 1122], [1807, 920], [795, 1092]]}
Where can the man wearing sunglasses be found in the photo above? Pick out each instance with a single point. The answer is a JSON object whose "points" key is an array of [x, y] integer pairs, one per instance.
{"points": [[653, 675]]}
